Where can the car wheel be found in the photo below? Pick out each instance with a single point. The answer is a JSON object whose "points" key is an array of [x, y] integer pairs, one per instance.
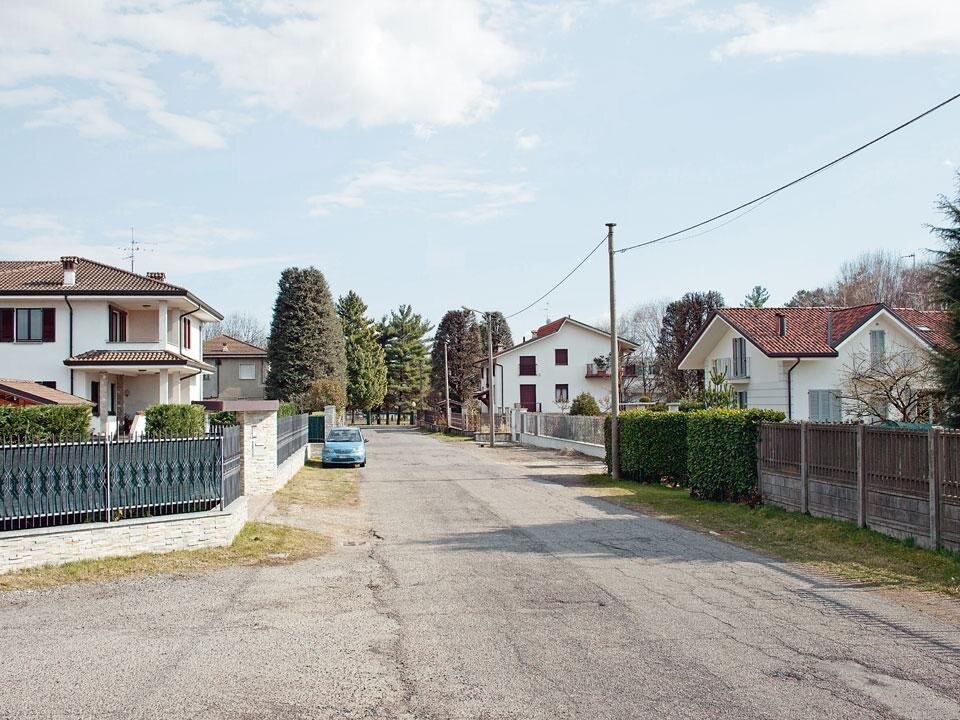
{"points": [[363, 464], [324, 465]]}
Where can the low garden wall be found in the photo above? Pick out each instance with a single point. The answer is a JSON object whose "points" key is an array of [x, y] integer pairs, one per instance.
{"points": [[58, 545]]}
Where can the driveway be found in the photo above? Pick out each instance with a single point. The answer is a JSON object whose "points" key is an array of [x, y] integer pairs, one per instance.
{"points": [[485, 584]]}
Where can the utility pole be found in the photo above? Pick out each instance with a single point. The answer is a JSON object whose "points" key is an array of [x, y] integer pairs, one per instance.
{"points": [[446, 373], [492, 395], [614, 365]]}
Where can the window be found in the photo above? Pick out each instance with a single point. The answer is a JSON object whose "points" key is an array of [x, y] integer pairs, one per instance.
{"points": [[740, 399], [878, 343], [118, 325], [185, 333], [29, 325], [562, 393], [825, 406], [95, 398], [248, 371], [528, 364], [560, 356]]}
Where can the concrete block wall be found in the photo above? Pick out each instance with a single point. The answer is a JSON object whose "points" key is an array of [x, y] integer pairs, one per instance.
{"points": [[290, 467], [55, 546]]}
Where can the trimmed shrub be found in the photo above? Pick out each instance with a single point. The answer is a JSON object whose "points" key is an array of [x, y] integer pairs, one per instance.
{"points": [[585, 404], [227, 418], [722, 452], [287, 409], [653, 446], [45, 422], [174, 420]]}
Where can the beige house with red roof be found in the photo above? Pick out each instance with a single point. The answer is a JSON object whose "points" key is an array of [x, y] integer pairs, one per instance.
{"points": [[240, 369], [122, 340], [793, 359], [548, 370]]}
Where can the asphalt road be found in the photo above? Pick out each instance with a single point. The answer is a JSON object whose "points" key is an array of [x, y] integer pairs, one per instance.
{"points": [[489, 586]]}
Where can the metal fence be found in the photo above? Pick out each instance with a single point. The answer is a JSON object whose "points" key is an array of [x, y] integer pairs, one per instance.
{"points": [[904, 483], [293, 434], [102, 480], [232, 464], [579, 428]]}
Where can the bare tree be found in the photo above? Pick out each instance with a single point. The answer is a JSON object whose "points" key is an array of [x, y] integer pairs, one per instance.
{"points": [[241, 326], [899, 380], [642, 325]]}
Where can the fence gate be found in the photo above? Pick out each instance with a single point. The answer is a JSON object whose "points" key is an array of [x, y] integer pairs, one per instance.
{"points": [[231, 465], [316, 428]]}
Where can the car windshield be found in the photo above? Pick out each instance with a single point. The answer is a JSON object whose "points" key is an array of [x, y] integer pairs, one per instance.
{"points": [[344, 436]]}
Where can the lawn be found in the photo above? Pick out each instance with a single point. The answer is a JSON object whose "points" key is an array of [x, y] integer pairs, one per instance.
{"points": [[256, 543], [320, 487], [829, 546], [448, 437]]}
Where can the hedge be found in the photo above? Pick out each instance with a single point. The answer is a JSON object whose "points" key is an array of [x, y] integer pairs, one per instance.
{"points": [[653, 446], [45, 422], [225, 418], [175, 420], [722, 452], [287, 409]]}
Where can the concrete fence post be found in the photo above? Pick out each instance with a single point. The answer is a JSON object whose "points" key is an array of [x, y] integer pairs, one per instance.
{"points": [[804, 483], [330, 420], [933, 463], [861, 476], [538, 424]]}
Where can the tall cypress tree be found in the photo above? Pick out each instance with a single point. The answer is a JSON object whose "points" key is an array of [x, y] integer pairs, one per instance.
{"points": [[459, 332], [502, 337], [366, 362], [306, 337], [402, 337], [947, 284]]}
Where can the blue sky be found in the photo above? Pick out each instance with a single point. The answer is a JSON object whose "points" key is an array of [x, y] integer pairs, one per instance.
{"points": [[445, 153]]}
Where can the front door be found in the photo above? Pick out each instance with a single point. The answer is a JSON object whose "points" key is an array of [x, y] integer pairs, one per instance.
{"points": [[528, 397]]}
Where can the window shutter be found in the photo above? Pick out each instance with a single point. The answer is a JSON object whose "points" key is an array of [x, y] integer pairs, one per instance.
{"points": [[49, 324], [6, 324], [123, 327], [814, 409], [878, 344], [836, 412]]}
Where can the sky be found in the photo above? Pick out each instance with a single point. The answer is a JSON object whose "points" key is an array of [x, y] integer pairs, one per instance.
{"points": [[443, 153]]}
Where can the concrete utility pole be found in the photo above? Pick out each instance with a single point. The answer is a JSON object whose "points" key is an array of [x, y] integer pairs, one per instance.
{"points": [[446, 374], [614, 365], [492, 389]]}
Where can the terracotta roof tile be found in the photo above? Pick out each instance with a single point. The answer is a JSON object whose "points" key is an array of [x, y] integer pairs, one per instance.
{"points": [[39, 394], [550, 328], [226, 346], [132, 357]]}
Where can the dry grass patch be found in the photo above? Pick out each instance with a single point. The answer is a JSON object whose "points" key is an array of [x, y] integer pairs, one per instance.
{"points": [[830, 546], [448, 437], [255, 544], [320, 487]]}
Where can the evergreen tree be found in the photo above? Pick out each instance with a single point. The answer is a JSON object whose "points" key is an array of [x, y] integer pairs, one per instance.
{"points": [[757, 297], [459, 331], [502, 337], [947, 284], [306, 337], [402, 338], [366, 362]]}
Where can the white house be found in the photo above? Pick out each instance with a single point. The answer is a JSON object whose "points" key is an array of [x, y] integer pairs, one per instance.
{"points": [[554, 366], [793, 359], [122, 340]]}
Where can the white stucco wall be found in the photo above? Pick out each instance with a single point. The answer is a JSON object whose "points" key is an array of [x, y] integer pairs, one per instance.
{"points": [[767, 386], [582, 347]]}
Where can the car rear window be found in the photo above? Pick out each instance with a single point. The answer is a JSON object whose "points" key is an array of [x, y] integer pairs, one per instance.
{"points": [[344, 436]]}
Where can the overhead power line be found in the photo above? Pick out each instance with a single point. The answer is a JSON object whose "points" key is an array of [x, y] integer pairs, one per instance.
{"points": [[796, 181]]}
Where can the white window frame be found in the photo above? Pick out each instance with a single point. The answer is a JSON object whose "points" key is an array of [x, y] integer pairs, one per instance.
{"points": [[253, 371]]}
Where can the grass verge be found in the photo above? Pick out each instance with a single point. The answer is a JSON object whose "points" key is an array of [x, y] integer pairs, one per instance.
{"points": [[320, 487], [448, 437], [830, 546], [255, 544]]}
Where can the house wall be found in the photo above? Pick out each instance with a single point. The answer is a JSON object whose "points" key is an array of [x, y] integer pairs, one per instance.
{"points": [[767, 385], [225, 383], [582, 347]]}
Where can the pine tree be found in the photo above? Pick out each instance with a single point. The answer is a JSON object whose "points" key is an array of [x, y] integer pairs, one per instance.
{"points": [[947, 284], [460, 332], [366, 362], [757, 297], [306, 337], [502, 337], [402, 338]]}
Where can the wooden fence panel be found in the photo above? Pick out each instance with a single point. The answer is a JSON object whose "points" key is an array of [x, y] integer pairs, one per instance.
{"points": [[949, 452]]}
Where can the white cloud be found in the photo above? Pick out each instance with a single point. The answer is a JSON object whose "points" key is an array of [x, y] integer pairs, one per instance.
{"points": [[840, 27], [27, 96], [431, 62], [477, 199], [546, 85], [527, 142], [194, 247], [89, 116]]}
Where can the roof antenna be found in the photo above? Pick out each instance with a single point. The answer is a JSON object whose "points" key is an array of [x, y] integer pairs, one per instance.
{"points": [[135, 247], [546, 309]]}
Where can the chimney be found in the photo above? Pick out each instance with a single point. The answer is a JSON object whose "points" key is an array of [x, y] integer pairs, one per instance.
{"points": [[781, 324], [830, 328], [224, 347], [159, 276], [69, 270]]}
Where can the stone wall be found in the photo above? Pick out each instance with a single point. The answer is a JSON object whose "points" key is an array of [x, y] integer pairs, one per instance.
{"points": [[258, 440], [55, 546], [291, 466]]}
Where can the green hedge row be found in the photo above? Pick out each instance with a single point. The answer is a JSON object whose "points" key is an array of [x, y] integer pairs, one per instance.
{"points": [[287, 409], [45, 422], [175, 420], [713, 451]]}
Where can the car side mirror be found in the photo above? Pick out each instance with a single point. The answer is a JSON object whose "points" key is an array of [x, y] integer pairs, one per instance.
{"points": [[366, 440]]}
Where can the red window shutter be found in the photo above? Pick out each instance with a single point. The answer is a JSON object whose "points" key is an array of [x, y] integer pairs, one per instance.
{"points": [[49, 324], [528, 364], [6, 324], [123, 327], [560, 356]]}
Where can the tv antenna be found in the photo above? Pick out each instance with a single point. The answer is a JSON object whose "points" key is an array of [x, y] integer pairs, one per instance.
{"points": [[133, 248]]}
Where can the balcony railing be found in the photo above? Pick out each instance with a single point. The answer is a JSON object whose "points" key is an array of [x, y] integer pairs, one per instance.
{"points": [[627, 371], [733, 371]]}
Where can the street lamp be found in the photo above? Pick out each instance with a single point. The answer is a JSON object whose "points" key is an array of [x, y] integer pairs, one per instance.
{"points": [[491, 386]]}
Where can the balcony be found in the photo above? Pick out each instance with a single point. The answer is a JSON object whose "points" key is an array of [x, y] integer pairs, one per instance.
{"points": [[733, 372], [626, 371]]}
